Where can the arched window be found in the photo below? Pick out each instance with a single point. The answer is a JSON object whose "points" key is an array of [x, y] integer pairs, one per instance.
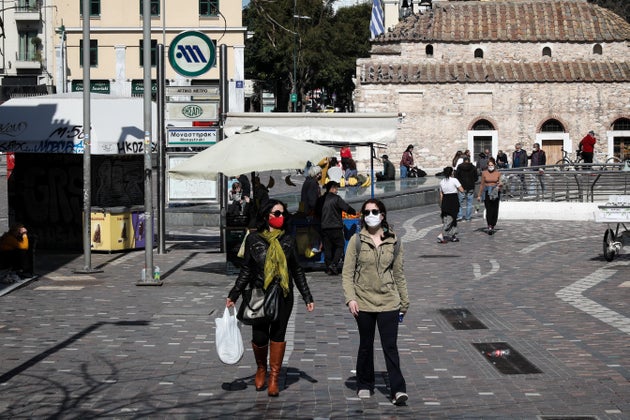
{"points": [[597, 49], [621, 124], [552, 126], [546, 52], [478, 53], [483, 125], [429, 50]]}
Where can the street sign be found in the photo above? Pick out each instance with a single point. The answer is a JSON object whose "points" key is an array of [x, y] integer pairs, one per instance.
{"points": [[206, 111], [191, 54], [190, 136], [207, 92]]}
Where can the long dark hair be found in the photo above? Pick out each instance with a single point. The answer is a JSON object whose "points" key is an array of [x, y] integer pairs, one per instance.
{"points": [[262, 221], [448, 172], [387, 230]]}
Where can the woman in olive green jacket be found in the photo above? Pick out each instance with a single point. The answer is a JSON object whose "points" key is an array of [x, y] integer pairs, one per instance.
{"points": [[375, 291]]}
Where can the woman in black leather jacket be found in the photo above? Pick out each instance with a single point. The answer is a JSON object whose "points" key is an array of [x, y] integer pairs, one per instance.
{"points": [[269, 254]]}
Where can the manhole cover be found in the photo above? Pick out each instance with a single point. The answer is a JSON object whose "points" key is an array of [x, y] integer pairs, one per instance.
{"points": [[462, 319], [507, 360]]}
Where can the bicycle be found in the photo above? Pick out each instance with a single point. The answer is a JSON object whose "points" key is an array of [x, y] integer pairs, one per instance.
{"points": [[566, 163], [615, 159]]}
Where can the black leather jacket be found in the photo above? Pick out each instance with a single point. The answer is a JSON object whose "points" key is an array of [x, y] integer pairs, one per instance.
{"points": [[254, 264]]}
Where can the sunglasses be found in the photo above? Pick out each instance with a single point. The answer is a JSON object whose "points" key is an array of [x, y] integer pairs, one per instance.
{"points": [[375, 212], [276, 213]]}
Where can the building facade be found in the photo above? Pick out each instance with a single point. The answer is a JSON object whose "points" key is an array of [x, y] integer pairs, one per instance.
{"points": [[116, 36], [476, 75], [26, 47]]}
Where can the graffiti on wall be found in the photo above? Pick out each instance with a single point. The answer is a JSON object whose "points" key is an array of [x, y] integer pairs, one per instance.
{"points": [[46, 193]]}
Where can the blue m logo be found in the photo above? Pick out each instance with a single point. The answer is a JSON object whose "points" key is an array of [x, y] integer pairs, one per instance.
{"points": [[191, 53]]}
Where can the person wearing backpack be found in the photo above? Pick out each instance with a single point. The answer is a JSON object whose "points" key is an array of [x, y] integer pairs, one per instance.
{"points": [[375, 292]]}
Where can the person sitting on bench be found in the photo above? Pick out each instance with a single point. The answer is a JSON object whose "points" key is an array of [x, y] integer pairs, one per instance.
{"points": [[15, 252]]}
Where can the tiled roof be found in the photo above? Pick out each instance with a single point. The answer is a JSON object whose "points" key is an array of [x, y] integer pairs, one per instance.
{"points": [[511, 21], [496, 72]]}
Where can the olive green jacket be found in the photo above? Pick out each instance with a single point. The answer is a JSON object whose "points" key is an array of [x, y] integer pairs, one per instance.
{"points": [[375, 280]]}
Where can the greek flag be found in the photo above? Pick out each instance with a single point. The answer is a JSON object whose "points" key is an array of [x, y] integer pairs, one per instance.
{"points": [[376, 23]]}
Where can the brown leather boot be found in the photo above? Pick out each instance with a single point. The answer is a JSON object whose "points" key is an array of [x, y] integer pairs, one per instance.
{"points": [[276, 354], [260, 354]]}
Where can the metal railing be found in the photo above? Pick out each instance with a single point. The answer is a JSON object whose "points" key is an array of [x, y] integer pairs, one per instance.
{"points": [[578, 183]]}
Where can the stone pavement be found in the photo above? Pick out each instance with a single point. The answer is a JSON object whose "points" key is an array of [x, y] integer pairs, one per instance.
{"points": [[96, 345]]}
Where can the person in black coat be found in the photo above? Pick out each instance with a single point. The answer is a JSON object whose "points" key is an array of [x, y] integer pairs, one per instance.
{"points": [[270, 254], [467, 176], [329, 208]]}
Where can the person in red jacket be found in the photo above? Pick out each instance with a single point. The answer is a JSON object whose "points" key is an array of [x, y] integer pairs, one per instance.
{"points": [[587, 145]]}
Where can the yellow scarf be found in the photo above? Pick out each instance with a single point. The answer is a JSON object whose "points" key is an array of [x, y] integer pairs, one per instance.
{"points": [[275, 261]]}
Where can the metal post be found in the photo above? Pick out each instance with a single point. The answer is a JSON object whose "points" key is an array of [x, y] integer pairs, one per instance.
{"points": [[148, 278], [161, 196], [295, 39], [224, 107], [87, 178]]}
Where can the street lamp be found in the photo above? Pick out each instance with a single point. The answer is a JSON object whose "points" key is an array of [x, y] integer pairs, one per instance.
{"points": [[295, 41]]}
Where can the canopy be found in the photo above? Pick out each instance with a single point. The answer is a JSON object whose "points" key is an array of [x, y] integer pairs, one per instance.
{"points": [[343, 128], [250, 150], [54, 124]]}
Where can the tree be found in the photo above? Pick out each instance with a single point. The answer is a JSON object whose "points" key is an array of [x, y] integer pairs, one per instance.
{"points": [[318, 46]]}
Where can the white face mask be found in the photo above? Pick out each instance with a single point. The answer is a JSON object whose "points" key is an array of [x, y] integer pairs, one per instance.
{"points": [[490, 168], [373, 220]]}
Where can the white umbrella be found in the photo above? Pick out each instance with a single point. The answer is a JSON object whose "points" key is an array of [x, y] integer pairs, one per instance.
{"points": [[250, 150]]}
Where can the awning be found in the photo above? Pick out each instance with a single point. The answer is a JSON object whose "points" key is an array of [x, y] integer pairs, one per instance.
{"points": [[54, 124], [341, 128]]}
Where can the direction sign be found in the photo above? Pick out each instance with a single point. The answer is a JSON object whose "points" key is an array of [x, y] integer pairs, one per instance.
{"points": [[191, 53], [207, 92], [190, 136]]}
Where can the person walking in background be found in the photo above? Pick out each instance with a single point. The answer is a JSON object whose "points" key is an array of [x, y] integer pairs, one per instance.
{"points": [[406, 163], [329, 209], [587, 147], [449, 204], [270, 253], [538, 156], [519, 157], [310, 190], [482, 163], [389, 172], [467, 176], [458, 159], [489, 192], [375, 292]]}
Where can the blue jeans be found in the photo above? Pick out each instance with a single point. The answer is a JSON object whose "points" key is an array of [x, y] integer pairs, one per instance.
{"points": [[403, 171], [465, 201]]}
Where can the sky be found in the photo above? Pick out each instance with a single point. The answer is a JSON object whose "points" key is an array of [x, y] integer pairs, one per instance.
{"points": [[245, 3]]}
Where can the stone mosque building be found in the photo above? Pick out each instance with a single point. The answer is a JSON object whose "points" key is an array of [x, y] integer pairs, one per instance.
{"points": [[488, 74]]}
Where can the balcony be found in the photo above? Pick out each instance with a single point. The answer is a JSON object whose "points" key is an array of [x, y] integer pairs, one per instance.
{"points": [[27, 14], [27, 61]]}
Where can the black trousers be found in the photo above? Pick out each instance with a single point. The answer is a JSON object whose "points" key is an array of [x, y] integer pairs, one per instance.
{"points": [[588, 157], [274, 331], [492, 210], [333, 242], [388, 330]]}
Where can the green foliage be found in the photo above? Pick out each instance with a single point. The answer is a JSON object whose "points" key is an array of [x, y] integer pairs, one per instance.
{"points": [[620, 7], [321, 46]]}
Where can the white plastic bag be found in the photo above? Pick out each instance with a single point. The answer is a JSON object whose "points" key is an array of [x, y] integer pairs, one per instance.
{"points": [[228, 338]]}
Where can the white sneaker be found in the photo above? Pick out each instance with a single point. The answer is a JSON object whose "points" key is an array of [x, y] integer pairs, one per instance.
{"points": [[364, 393], [400, 399]]}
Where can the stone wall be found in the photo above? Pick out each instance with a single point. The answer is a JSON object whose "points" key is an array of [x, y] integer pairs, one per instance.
{"points": [[438, 117]]}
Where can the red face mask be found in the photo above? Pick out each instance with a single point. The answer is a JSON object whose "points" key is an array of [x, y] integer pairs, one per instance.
{"points": [[276, 222]]}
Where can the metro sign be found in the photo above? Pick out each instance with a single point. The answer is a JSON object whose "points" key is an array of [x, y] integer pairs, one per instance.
{"points": [[191, 54]]}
